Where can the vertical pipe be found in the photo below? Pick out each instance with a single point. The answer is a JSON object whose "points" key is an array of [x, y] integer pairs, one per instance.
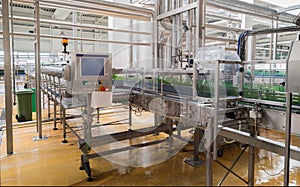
{"points": [[162, 7], [201, 22], [131, 46], [275, 40], [13, 51], [189, 32], [155, 39], [51, 40], [60, 100], [48, 96], [7, 76], [95, 42], [130, 117], [80, 21], [179, 18], [43, 96], [195, 30], [208, 167], [170, 5], [251, 165], [54, 102], [216, 109], [174, 35], [88, 120], [37, 48], [195, 79], [169, 53], [241, 80], [287, 138], [74, 17], [197, 140], [64, 126]]}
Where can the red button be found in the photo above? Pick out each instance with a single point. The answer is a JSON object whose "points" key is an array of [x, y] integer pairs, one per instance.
{"points": [[102, 88]]}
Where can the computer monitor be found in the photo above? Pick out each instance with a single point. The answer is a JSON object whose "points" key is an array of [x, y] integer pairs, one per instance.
{"points": [[89, 71], [92, 66]]}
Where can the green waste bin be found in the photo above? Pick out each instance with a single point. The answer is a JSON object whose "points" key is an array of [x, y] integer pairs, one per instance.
{"points": [[33, 100], [24, 101]]}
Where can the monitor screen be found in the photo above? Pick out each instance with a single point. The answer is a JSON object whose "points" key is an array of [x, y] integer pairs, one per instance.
{"points": [[91, 66]]}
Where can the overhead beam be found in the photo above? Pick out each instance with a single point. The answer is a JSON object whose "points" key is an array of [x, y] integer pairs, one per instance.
{"points": [[289, 8], [177, 11]]}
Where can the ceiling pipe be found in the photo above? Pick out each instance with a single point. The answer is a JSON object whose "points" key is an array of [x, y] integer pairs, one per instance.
{"points": [[120, 6], [251, 9], [106, 8]]}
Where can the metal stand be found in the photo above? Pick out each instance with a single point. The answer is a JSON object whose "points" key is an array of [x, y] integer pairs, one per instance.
{"points": [[195, 162], [55, 103], [251, 165], [64, 126], [208, 167], [288, 138], [130, 117], [85, 165]]}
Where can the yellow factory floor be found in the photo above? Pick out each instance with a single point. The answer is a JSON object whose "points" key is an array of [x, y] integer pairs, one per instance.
{"points": [[50, 162]]}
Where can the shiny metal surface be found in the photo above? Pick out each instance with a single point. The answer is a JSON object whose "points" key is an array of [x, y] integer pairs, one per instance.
{"points": [[8, 85]]}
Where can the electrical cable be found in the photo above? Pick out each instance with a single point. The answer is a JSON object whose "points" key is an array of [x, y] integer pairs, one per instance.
{"points": [[258, 159], [242, 45], [233, 140]]}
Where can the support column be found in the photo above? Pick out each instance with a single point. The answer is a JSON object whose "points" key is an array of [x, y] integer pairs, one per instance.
{"points": [[251, 165], [7, 77], [37, 47], [216, 109], [287, 138], [201, 23], [208, 167]]}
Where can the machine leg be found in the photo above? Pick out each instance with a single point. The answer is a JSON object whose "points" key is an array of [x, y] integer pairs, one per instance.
{"points": [[48, 106], [98, 114], [130, 117], [85, 165], [60, 112], [178, 125], [251, 157], [251, 164], [43, 99], [170, 132], [208, 168], [64, 127], [157, 120], [55, 128], [195, 162]]}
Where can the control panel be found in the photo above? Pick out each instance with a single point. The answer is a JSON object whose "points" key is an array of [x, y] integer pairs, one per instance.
{"points": [[89, 72]]}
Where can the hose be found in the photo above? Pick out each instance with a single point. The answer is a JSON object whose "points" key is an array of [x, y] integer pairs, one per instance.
{"points": [[232, 141]]}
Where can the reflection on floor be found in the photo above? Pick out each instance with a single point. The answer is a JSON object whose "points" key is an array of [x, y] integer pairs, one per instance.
{"points": [[50, 162]]}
